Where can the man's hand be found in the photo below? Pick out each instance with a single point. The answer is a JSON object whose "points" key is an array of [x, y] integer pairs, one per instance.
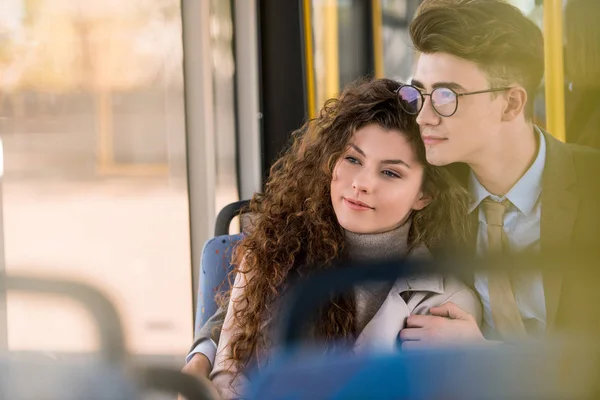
{"points": [[448, 324]]}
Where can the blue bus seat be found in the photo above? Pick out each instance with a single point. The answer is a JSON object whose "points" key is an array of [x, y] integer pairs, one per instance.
{"points": [[497, 372], [562, 366], [215, 263], [215, 266]]}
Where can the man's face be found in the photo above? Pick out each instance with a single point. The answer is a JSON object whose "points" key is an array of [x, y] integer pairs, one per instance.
{"points": [[469, 134]]}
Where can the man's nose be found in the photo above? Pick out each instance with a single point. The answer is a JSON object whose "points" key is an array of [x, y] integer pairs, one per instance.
{"points": [[427, 115]]}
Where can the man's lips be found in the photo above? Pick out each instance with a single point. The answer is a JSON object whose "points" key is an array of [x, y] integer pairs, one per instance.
{"points": [[432, 139]]}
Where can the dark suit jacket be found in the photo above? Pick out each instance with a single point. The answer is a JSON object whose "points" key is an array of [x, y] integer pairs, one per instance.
{"points": [[570, 228], [570, 223], [582, 109]]}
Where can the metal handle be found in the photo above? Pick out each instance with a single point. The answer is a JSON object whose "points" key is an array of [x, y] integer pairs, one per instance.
{"points": [[168, 380], [228, 213], [108, 322]]}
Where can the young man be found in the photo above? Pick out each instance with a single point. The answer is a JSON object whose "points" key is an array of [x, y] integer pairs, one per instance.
{"points": [[480, 63]]}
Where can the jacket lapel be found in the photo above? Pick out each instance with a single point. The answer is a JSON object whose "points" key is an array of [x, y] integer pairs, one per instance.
{"points": [[461, 173], [559, 211], [381, 333]]}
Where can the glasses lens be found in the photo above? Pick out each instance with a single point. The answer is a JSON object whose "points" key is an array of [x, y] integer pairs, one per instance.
{"points": [[444, 101], [411, 99]]}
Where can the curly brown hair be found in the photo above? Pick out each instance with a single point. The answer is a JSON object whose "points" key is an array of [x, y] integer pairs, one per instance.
{"points": [[295, 230]]}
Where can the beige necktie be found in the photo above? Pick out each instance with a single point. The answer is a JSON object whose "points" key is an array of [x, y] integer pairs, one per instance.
{"points": [[505, 312]]}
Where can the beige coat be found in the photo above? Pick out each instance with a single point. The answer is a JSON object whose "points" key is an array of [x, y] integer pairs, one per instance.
{"points": [[380, 334]]}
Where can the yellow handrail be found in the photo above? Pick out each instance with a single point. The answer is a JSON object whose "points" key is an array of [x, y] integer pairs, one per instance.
{"points": [[553, 48], [377, 39], [309, 59], [331, 50]]}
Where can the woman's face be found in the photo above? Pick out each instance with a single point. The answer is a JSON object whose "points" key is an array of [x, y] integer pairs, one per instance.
{"points": [[377, 181]]}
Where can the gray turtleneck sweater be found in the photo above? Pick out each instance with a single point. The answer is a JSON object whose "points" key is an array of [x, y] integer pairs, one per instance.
{"points": [[374, 246]]}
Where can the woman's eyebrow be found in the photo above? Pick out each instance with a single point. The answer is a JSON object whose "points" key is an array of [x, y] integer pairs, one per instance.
{"points": [[395, 162], [358, 149]]}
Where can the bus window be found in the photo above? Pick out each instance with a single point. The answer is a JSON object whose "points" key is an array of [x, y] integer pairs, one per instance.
{"points": [[95, 180]]}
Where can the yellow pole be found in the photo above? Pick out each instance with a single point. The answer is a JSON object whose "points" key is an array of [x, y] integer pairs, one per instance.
{"points": [[553, 47], [377, 39], [309, 59], [331, 48]]}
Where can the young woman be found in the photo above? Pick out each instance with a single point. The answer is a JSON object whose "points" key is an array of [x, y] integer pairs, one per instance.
{"points": [[354, 185]]}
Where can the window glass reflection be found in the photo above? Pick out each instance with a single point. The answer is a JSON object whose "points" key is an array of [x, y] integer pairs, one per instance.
{"points": [[95, 189]]}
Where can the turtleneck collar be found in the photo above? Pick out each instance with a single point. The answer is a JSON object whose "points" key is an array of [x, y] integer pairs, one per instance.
{"points": [[381, 246]]}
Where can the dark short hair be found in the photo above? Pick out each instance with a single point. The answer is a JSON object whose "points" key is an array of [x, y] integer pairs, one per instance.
{"points": [[506, 44]]}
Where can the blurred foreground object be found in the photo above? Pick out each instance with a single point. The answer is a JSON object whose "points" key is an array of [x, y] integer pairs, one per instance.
{"points": [[106, 375]]}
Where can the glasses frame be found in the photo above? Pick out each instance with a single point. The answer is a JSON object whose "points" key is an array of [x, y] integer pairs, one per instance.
{"points": [[492, 90]]}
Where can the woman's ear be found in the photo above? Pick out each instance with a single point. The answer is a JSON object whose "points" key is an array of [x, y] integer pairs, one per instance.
{"points": [[421, 201], [334, 173]]}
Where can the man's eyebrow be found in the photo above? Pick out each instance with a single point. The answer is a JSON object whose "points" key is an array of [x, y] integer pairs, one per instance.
{"points": [[417, 84], [395, 162], [449, 85]]}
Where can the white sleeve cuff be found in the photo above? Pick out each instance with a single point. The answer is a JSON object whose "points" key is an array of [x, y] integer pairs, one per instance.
{"points": [[206, 347]]}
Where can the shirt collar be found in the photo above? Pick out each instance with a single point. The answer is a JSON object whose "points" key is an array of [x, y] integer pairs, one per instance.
{"points": [[525, 193]]}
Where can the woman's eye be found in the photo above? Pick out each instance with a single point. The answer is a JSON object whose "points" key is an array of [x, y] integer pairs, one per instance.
{"points": [[351, 160], [391, 174]]}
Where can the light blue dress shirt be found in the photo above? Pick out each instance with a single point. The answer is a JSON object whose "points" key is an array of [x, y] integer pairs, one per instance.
{"points": [[522, 228]]}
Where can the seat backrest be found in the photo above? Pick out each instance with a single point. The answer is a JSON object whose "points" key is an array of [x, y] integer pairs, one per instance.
{"points": [[564, 367], [215, 266], [227, 214], [31, 377], [496, 372], [215, 262], [107, 374]]}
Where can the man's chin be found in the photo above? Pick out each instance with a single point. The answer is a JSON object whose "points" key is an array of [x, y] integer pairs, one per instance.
{"points": [[434, 158]]}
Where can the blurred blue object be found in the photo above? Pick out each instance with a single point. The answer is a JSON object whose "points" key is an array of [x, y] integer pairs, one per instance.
{"points": [[492, 372]]}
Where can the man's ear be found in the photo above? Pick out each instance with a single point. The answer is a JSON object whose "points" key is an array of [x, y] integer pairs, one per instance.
{"points": [[422, 201], [516, 98]]}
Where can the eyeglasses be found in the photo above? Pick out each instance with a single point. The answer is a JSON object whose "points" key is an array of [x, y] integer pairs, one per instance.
{"points": [[443, 100]]}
